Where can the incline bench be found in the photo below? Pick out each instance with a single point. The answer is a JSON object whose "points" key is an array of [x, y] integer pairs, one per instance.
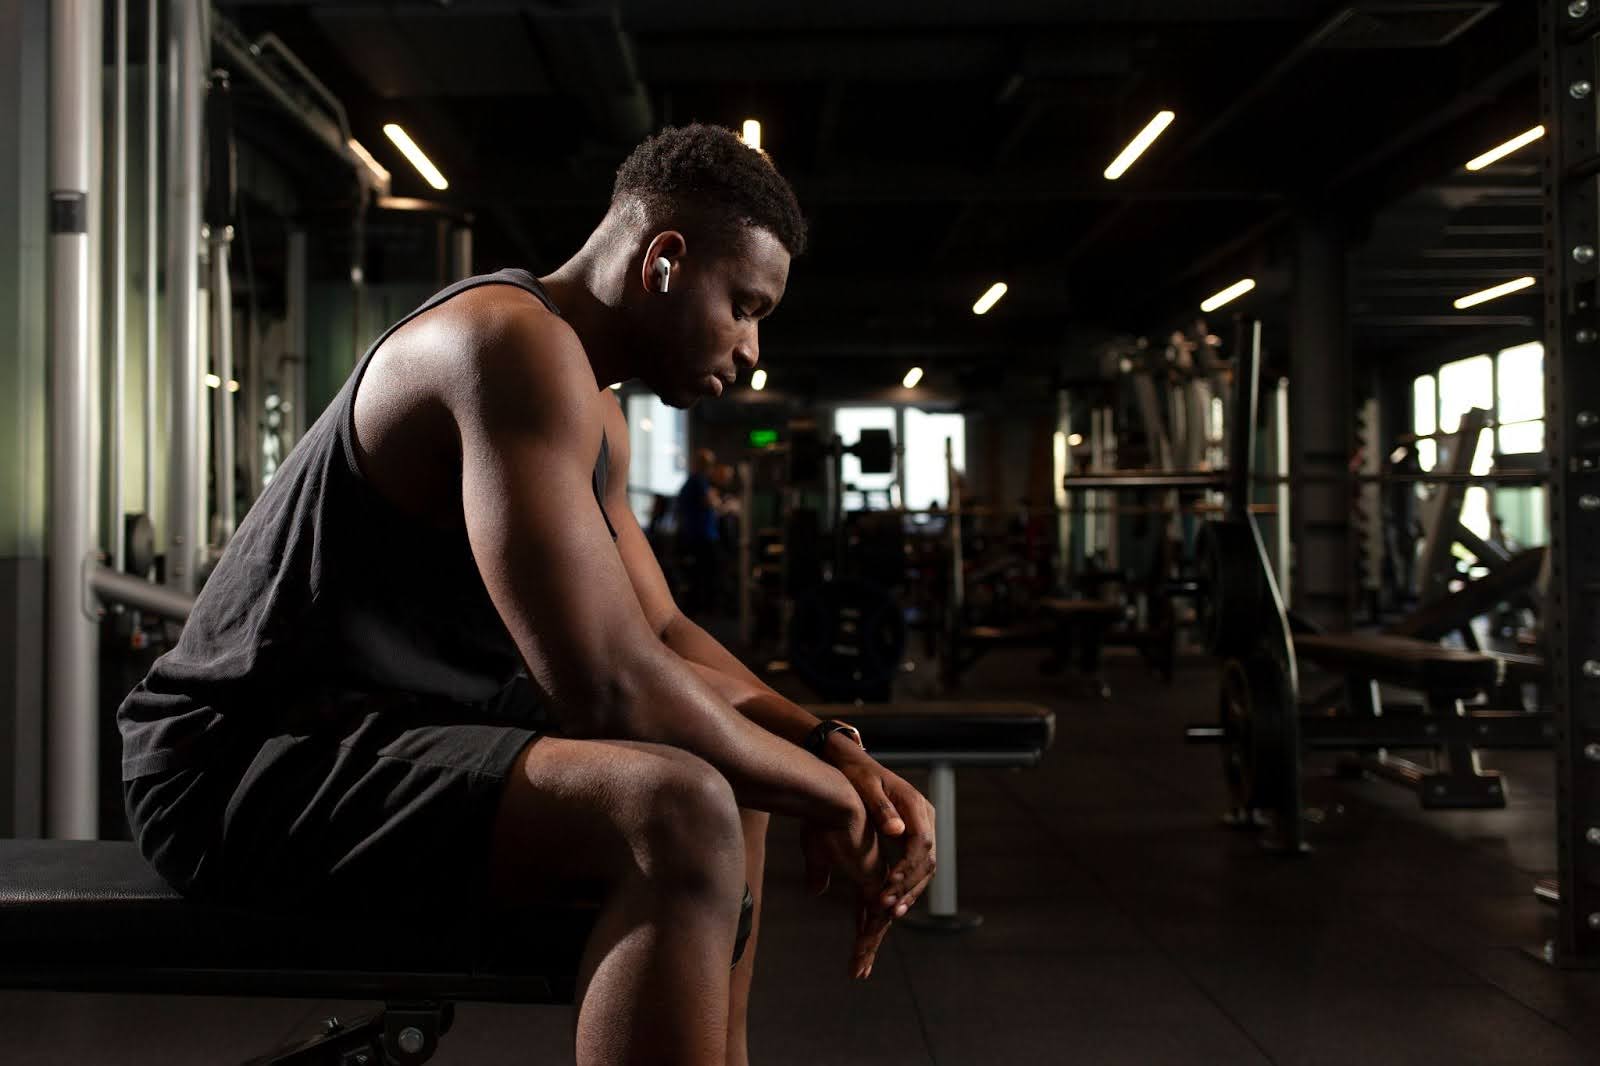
{"points": [[92, 916], [1446, 677], [943, 736]]}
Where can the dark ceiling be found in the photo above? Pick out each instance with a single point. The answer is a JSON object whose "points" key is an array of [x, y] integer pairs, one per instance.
{"points": [[939, 147]]}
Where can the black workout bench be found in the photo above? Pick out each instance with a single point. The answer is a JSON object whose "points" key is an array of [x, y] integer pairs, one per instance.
{"points": [[92, 916], [1447, 678], [942, 736]]}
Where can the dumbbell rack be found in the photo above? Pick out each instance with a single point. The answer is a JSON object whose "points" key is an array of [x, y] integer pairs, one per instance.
{"points": [[1568, 33]]}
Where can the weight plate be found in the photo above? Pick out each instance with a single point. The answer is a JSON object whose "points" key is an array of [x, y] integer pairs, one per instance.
{"points": [[1234, 587], [1254, 709]]}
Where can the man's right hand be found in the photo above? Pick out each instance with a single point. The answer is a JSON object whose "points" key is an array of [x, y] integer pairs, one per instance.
{"points": [[854, 851]]}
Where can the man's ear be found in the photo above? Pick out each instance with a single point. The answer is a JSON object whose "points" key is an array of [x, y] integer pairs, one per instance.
{"points": [[669, 245]]}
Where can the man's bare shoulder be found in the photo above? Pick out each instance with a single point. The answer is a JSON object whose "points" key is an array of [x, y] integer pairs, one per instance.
{"points": [[516, 363]]}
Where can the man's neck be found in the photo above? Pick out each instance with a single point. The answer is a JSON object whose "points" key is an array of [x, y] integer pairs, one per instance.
{"points": [[594, 316]]}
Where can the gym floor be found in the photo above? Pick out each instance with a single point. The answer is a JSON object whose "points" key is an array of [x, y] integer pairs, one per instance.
{"points": [[1123, 925]]}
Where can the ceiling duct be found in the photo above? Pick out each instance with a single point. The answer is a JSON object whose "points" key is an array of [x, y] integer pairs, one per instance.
{"points": [[589, 58], [1399, 25]]}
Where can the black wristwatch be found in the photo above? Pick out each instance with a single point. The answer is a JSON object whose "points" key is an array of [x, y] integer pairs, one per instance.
{"points": [[818, 737]]}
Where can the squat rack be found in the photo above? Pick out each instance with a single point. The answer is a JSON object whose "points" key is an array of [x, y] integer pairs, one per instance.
{"points": [[1568, 31]]}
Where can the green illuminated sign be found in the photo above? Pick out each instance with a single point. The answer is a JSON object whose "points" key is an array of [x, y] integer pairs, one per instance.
{"points": [[763, 438]]}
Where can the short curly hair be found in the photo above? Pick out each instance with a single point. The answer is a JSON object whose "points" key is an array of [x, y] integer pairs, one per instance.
{"points": [[708, 169]]}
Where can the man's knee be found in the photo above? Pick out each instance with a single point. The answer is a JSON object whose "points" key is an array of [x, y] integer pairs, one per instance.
{"points": [[691, 834]]}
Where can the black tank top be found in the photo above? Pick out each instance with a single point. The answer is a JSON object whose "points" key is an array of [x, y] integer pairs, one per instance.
{"points": [[327, 598]]}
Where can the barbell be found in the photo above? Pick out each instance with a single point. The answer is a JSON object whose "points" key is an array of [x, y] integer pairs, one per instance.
{"points": [[1218, 481]]}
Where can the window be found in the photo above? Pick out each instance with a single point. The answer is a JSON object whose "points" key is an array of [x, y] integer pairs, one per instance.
{"points": [[1510, 385], [1425, 419], [1519, 398], [848, 422], [926, 481], [1463, 385], [658, 437]]}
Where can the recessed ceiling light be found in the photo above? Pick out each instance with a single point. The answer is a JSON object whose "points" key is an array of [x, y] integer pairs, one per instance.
{"points": [[1485, 295], [989, 298], [1232, 292], [408, 148], [1144, 139], [1501, 151]]}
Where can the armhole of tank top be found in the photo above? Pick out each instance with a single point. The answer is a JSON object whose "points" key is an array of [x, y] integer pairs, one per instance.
{"points": [[602, 480], [347, 398]]}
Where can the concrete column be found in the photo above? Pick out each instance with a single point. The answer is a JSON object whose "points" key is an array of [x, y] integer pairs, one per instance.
{"points": [[1321, 424]]}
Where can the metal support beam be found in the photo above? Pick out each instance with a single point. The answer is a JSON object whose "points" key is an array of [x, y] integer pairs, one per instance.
{"points": [[186, 510], [73, 738]]}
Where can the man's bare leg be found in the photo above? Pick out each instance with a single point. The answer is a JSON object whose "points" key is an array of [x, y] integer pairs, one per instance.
{"points": [[655, 832], [755, 866]]}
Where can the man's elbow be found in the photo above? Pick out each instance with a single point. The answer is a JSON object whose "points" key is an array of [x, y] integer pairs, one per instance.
{"points": [[609, 705]]}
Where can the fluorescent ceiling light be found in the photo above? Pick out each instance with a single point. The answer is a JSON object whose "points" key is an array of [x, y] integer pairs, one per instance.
{"points": [[758, 380], [616, 386], [1501, 151], [409, 149], [377, 168], [913, 376], [1474, 299], [213, 382], [1232, 292], [233, 386], [1146, 137], [752, 133], [1075, 439], [990, 298]]}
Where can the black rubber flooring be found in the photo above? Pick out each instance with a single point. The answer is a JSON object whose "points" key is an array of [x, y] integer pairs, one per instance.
{"points": [[1123, 925]]}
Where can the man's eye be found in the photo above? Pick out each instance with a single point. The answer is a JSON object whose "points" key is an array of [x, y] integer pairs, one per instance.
{"points": [[739, 313]]}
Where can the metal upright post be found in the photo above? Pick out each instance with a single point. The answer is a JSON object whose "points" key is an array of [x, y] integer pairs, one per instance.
{"points": [[1568, 29], [746, 499], [219, 209], [73, 738], [294, 298], [461, 253], [152, 244], [119, 288], [186, 511]]}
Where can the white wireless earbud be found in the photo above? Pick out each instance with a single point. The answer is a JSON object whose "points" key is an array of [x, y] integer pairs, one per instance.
{"points": [[663, 272]]}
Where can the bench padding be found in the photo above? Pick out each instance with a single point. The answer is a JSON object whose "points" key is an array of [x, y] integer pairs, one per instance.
{"points": [[93, 916], [962, 733], [1063, 608], [1415, 664]]}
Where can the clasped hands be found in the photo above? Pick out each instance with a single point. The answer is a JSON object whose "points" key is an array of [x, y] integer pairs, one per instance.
{"points": [[887, 849]]}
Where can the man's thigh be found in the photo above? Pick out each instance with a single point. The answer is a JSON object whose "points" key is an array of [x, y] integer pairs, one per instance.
{"points": [[571, 812]]}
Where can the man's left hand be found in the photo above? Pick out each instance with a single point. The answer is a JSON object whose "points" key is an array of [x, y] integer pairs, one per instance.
{"points": [[900, 813]]}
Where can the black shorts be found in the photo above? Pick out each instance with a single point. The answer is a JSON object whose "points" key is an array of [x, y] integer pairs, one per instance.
{"points": [[393, 809]]}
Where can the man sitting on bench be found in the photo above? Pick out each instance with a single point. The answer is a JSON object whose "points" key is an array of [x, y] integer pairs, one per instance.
{"points": [[438, 666]]}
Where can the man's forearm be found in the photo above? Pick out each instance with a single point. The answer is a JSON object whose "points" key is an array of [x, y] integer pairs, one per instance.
{"points": [[752, 697], [664, 702]]}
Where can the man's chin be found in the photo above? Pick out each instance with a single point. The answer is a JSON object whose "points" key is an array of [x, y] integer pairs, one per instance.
{"points": [[681, 398]]}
